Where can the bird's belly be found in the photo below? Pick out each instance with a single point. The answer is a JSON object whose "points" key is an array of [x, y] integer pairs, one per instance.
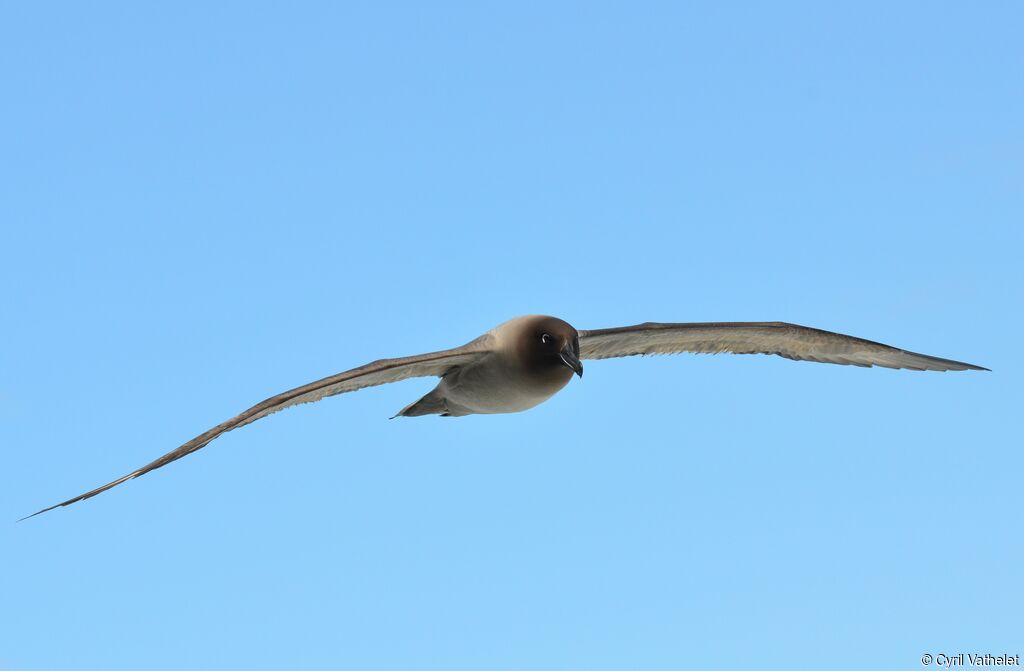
{"points": [[490, 401], [493, 391]]}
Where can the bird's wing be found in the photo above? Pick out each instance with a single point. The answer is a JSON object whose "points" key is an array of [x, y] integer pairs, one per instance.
{"points": [[376, 373], [791, 341]]}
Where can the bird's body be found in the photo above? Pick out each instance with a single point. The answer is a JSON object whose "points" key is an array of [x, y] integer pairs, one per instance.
{"points": [[510, 377], [525, 361], [489, 386]]}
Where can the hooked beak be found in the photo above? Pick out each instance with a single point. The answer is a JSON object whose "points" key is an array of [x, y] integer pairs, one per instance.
{"points": [[571, 359]]}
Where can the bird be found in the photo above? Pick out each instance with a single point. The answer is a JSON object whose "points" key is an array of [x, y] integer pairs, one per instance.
{"points": [[527, 360]]}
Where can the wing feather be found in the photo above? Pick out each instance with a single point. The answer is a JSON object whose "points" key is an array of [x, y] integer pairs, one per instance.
{"points": [[792, 341], [372, 374]]}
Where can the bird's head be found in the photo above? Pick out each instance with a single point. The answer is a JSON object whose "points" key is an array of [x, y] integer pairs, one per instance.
{"points": [[550, 345]]}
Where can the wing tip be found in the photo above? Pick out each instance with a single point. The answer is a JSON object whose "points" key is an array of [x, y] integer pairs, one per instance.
{"points": [[87, 495], [952, 365], [918, 361], [972, 367], [53, 507], [38, 512]]}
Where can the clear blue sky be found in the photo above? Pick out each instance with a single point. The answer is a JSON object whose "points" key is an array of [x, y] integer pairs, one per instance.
{"points": [[203, 205]]}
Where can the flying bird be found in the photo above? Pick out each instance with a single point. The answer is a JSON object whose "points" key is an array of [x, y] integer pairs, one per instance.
{"points": [[527, 360]]}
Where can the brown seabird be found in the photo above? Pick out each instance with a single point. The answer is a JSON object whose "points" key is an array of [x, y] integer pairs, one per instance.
{"points": [[526, 360]]}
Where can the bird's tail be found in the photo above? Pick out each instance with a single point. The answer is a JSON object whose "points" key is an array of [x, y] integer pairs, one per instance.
{"points": [[431, 404]]}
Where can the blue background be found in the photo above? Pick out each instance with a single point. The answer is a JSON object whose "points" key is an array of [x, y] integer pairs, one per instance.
{"points": [[205, 204]]}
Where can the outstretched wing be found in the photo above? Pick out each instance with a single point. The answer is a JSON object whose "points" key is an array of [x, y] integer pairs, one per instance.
{"points": [[792, 341], [372, 374]]}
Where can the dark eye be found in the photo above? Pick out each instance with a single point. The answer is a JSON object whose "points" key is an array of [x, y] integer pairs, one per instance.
{"points": [[545, 338]]}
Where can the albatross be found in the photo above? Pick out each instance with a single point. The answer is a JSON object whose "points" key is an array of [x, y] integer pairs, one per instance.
{"points": [[527, 360]]}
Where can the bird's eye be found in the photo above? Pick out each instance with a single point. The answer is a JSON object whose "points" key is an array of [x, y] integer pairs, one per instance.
{"points": [[545, 338]]}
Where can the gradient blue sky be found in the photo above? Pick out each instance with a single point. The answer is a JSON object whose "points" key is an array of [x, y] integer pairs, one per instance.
{"points": [[205, 204]]}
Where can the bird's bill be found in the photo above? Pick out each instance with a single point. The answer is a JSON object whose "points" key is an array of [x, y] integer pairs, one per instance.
{"points": [[570, 359]]}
